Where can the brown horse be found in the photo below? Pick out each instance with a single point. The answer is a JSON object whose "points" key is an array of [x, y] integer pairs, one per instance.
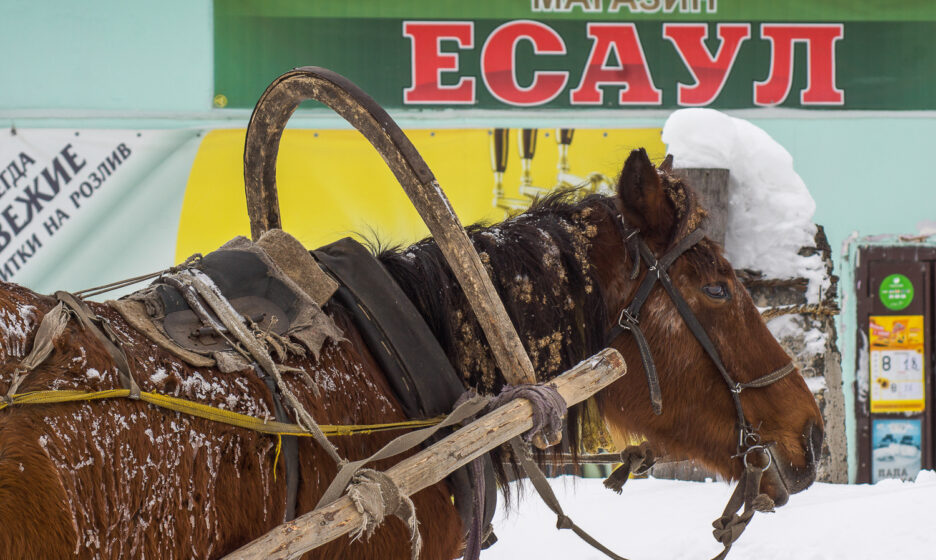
{"points": [[123, 479]]}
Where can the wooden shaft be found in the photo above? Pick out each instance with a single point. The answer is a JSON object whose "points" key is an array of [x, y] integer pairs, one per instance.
{"points": [[431, 465], [565, 459]]}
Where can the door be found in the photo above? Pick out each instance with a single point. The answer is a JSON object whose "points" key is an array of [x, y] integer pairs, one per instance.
{"points": [[894, 372]]}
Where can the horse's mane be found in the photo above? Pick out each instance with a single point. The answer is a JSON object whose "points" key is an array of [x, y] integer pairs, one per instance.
{"points": [[539, 263]]}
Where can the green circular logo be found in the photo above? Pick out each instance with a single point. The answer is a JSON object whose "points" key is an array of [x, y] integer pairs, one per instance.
{"points": [[896, 292]]}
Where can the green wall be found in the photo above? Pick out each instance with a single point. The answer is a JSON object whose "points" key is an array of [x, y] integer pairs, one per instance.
{"points": [[105, 55], [118, 64]]}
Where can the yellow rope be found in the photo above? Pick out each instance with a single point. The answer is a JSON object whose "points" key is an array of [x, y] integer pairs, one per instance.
{"points": [[279, 447], [208, 412]]}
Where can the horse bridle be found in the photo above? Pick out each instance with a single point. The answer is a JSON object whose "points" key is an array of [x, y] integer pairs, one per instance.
{"points": [[749, 440]]}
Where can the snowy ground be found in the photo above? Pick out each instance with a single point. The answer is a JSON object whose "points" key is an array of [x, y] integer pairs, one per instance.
{"points": [[670, 520]]}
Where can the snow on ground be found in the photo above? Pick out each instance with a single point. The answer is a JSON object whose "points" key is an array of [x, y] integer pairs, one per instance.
{"points": [[770, 208], [671, 520]]}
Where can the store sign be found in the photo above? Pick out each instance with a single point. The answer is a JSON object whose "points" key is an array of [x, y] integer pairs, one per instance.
{"points": [[895, 449], [896, 360], [616, 70], [588, 53]]}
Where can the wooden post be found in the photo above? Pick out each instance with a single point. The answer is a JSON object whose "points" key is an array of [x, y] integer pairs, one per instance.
{"points": [[431, 465], [712, 186]]}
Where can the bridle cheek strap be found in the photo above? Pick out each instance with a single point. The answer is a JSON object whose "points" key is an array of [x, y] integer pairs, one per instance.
{"points": [[628, 319]]}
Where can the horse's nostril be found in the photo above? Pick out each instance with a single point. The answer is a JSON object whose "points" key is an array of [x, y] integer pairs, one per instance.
{"points": [[813, 439]]}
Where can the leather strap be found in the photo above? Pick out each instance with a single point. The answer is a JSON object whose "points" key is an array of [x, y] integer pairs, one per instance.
{"points": [[536, 476], [105, 335], [50, 328], [729, 527], [768, 379], [629, 317], [628, 321], [416, 366], [290, 446]]}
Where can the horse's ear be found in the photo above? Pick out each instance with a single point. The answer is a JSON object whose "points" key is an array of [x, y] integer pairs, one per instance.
{"points": [[667, 165], [645, 204]]}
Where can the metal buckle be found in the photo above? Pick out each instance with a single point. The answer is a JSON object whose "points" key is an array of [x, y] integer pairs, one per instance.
{"points": [[747, 438], [631, 320], [632, 231], [751, 439]]}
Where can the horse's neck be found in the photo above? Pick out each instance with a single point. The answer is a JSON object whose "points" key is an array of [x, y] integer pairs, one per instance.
{"points": [[540, 270]]}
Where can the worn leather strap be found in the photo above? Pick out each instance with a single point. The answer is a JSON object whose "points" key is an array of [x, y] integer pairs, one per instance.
{"points": [[768, 379], [536, 476], [467, 409], [628, 321], [50, 328], [105, 335], [693, 323], [729, 527], [635, 459], [290, 447]]}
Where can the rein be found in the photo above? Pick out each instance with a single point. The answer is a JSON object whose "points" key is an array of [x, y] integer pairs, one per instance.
{"points": [[730, 525]]}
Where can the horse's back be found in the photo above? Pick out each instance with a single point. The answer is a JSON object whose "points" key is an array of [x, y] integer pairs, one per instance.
{"points": [[124, 479]]}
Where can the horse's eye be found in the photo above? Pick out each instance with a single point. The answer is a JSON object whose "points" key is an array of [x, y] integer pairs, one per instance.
{"points": [[717, 290]]}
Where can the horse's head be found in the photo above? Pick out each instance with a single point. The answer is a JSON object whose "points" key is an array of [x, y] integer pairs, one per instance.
{"points": [[699, 417]]}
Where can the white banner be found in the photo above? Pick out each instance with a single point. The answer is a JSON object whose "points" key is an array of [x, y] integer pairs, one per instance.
{"points": [[78, 208]]}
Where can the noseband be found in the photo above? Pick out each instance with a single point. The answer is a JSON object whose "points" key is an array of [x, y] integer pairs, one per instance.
{"points": [[748, 439]]}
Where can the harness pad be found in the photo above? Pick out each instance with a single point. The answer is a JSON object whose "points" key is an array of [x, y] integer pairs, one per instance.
{"points": [[417, 368]]}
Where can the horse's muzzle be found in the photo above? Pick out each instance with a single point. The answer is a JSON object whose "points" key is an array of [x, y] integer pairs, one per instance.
{"points": [[783, 479], [812, 447]]}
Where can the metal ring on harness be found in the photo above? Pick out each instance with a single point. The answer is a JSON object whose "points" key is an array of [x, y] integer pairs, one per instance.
{"points": [[766, 452]]}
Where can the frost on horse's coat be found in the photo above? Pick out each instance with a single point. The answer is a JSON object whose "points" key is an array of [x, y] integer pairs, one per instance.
{"points": [[120, 478]]}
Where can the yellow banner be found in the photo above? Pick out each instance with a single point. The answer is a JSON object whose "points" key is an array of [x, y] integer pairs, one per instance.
{"points": [[332, 183]]}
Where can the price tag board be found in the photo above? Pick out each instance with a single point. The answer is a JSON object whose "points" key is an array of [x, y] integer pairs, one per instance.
{"points": [[896, 360]]}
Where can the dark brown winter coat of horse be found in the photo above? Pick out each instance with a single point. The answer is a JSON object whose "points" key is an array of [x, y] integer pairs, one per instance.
{"points": [[123, 479]]}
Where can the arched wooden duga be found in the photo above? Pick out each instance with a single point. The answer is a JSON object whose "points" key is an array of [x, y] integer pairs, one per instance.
{"points": [[267, 123]]}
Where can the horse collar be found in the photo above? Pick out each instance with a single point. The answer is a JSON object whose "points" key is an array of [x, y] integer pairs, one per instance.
{"points": [[628, 321]]}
